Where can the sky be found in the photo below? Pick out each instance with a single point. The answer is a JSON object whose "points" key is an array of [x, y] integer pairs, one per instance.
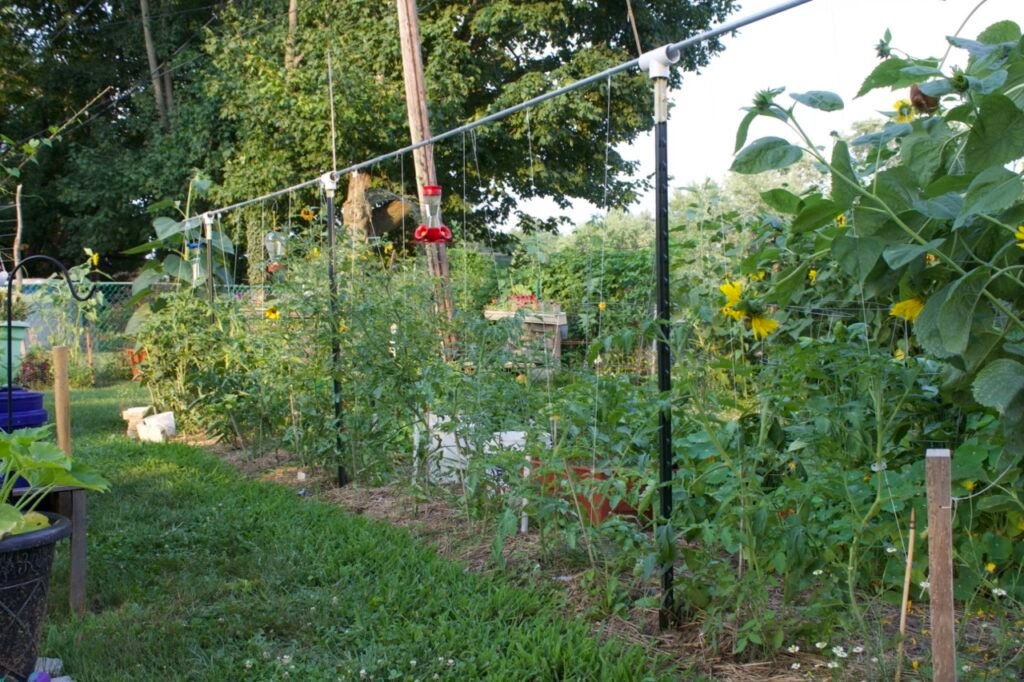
{"points": [[823, 45]]}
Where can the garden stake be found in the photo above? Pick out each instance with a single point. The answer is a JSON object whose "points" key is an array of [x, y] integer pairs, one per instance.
{"points": [[906, 598], [940, 564], [658, 62], [329, 185]]}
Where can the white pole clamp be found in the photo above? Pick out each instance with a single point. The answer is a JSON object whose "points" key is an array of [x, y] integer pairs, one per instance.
{"points": [[657, 61], [208, 225], [328, 182]]}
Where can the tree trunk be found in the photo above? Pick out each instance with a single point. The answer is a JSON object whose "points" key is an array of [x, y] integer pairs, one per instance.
{"points": [[168, 93], [154, 66], [356, 212], [166, 67], [290, 61]]}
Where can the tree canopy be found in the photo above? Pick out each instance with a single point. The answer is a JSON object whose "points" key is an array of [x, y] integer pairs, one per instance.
{"points": [[247, 105]]}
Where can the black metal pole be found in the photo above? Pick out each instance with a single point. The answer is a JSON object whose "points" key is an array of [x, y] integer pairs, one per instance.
{"points": [[664, 313], [10, 341], [332, 282]]}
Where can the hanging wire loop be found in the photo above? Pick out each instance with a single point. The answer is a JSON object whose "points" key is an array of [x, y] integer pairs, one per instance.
{"points": [[10, 337]]}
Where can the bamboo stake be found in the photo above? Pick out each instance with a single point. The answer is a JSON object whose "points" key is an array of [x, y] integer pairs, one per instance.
{"points": [[62, 398], [904, 605]]}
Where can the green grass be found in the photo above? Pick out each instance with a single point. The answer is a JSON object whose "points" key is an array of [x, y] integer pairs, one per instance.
{"points": [[196, 573]]}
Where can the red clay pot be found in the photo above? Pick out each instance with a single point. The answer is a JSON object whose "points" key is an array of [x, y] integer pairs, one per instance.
{"points": [[597, 507]]}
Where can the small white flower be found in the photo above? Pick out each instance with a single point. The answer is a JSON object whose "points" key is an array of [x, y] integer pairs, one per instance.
{"points": [[792, 648], [890, 549], [874, 659], [451, 662], [821, 645], [362, 673], [879, 466], [839, 651], [817, 571], [966, 668], [286, 659], [412, 663], [858, 649], [795, 666], [998, 592], [832, 665], [925, 584], [248, 663]]}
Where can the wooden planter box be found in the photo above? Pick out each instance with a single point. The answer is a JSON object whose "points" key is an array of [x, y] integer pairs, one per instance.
{"points": [[547, 327]]}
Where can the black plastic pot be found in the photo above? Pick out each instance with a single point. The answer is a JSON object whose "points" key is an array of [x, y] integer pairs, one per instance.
{"points": [[25, 562]]}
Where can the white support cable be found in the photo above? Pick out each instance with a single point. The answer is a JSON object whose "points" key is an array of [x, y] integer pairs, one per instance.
{"points": [[670, 51]]}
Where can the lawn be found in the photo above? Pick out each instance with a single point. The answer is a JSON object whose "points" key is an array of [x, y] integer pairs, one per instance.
{"points": [[197, 573]]}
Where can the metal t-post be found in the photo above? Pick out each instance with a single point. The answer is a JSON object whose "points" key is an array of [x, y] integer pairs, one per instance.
{"points": [[330, 185], [657, 62]]}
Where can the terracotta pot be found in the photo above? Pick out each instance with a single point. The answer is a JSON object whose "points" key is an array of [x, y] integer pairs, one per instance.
{"points": [[596, 506]]}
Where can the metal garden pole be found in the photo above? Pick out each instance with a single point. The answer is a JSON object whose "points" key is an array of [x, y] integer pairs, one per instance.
{"points": [[330, 185], [657, 62]]}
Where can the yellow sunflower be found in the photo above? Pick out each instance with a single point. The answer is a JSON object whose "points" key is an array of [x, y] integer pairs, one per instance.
{"points": [[762, 326], [907, 310], [841, 220], [306, 214], [602, 306], [272, 313], [812, 275], [1019, 234], [905, 111]]}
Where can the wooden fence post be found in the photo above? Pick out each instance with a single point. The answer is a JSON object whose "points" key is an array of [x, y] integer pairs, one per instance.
{"points": [[940, 564]]}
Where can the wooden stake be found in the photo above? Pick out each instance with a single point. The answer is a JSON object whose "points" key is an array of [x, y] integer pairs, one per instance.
{"points": [[904, 605], [940, 564], [72, 501], [62, 398]]}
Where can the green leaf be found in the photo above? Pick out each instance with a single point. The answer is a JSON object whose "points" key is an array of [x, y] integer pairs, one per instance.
{"points": [[926, 327], [741, 132], [167, 227], [782, 200], [1000, 32], [221, 242], [886, 73], [857, 256], [992, 191], [956, 315], [788, 283], [9, 519], [177, 268], [143, 248], [843, 195], [890, 73], [922, 150], [997, 136], [937, 87], [898, 256], [767, 153], [999, 383], [819, 99], [945, 207], [815, 213]]}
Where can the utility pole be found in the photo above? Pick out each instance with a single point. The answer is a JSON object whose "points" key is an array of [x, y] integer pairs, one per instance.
{"points": [[419, 130]]}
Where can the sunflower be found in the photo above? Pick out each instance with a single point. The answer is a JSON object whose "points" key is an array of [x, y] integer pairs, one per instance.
{"points": [[841, 220], [1019, 234], [908, 309], [905, 111], [601, 306], [94, 260], [812, 275], [272, 313], [762, 326], [306, 214]]}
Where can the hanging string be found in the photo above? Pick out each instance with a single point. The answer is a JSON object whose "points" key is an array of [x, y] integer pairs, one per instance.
{"points": [[330, 96]]}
